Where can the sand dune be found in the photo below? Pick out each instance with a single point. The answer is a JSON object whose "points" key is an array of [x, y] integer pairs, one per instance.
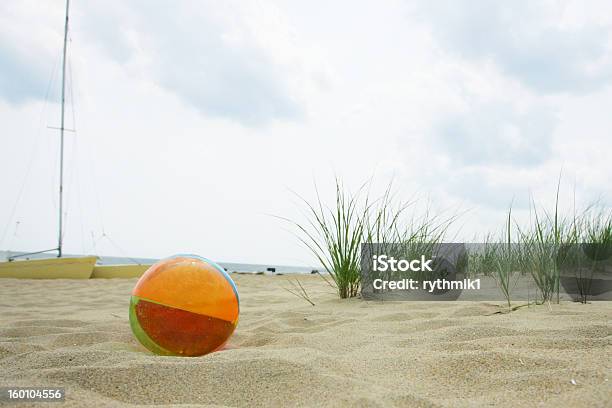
{"points": [[286, 352]]}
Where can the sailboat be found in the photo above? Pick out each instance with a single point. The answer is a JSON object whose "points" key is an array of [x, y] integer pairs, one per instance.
{"points": [[81, 267]]}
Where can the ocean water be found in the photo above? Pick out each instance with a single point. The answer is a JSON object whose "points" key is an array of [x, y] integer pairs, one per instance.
{"points": [[229, 266]]}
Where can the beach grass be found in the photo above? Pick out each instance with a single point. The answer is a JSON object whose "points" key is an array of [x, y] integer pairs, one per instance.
{"points": [[423, 237], [483, 261], [504, 265], [540, 245], [576, 244], [297, 289], [597, 233], [334, 234], [551, 242]]}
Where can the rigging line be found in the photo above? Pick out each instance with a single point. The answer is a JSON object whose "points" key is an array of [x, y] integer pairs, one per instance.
{"points": [[104, 235], [10, 241], [94, 184], [54, 150], [74, 89], [93, 243], [34, 150], [75, 189], [79, 195], [74, 159], [96, 192], [80, 206], [74, 78], [74, 174], [71, 90], [70, 184]]}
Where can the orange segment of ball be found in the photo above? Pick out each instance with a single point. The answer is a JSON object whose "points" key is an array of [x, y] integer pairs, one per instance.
{"points": [[184, 333], [191, 285]]}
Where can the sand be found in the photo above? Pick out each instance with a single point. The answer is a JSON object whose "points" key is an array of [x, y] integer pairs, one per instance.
{"points": [[285, 352]]}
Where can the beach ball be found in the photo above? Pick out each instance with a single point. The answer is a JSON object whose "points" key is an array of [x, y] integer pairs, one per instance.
{"points": [[184, 306]]}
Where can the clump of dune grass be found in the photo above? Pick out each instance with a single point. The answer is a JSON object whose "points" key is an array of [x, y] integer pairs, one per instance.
{"points": [[504, 259], [483, 260], [463, 262], [334, 234], [552, 242], [423, 236], [595, 230], [540, 245], [597, 233]]}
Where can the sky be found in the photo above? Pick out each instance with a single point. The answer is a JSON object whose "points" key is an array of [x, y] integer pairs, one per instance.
{"points": [[197, 123]]}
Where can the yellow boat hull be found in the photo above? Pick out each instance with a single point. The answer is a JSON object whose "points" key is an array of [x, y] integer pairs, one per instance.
{"points": [[49, 268], [119, 271]]}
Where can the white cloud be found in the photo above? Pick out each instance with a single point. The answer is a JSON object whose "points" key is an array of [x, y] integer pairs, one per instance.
{"points": [[496, 134], [233, 61], [531, 41], [22, 49]]}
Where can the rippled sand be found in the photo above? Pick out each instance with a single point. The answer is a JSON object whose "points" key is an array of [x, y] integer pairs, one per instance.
{"points": [[286, 352]]}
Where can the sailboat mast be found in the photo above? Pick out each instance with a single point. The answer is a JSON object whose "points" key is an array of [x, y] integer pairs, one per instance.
{"points": [[61, 178]]}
